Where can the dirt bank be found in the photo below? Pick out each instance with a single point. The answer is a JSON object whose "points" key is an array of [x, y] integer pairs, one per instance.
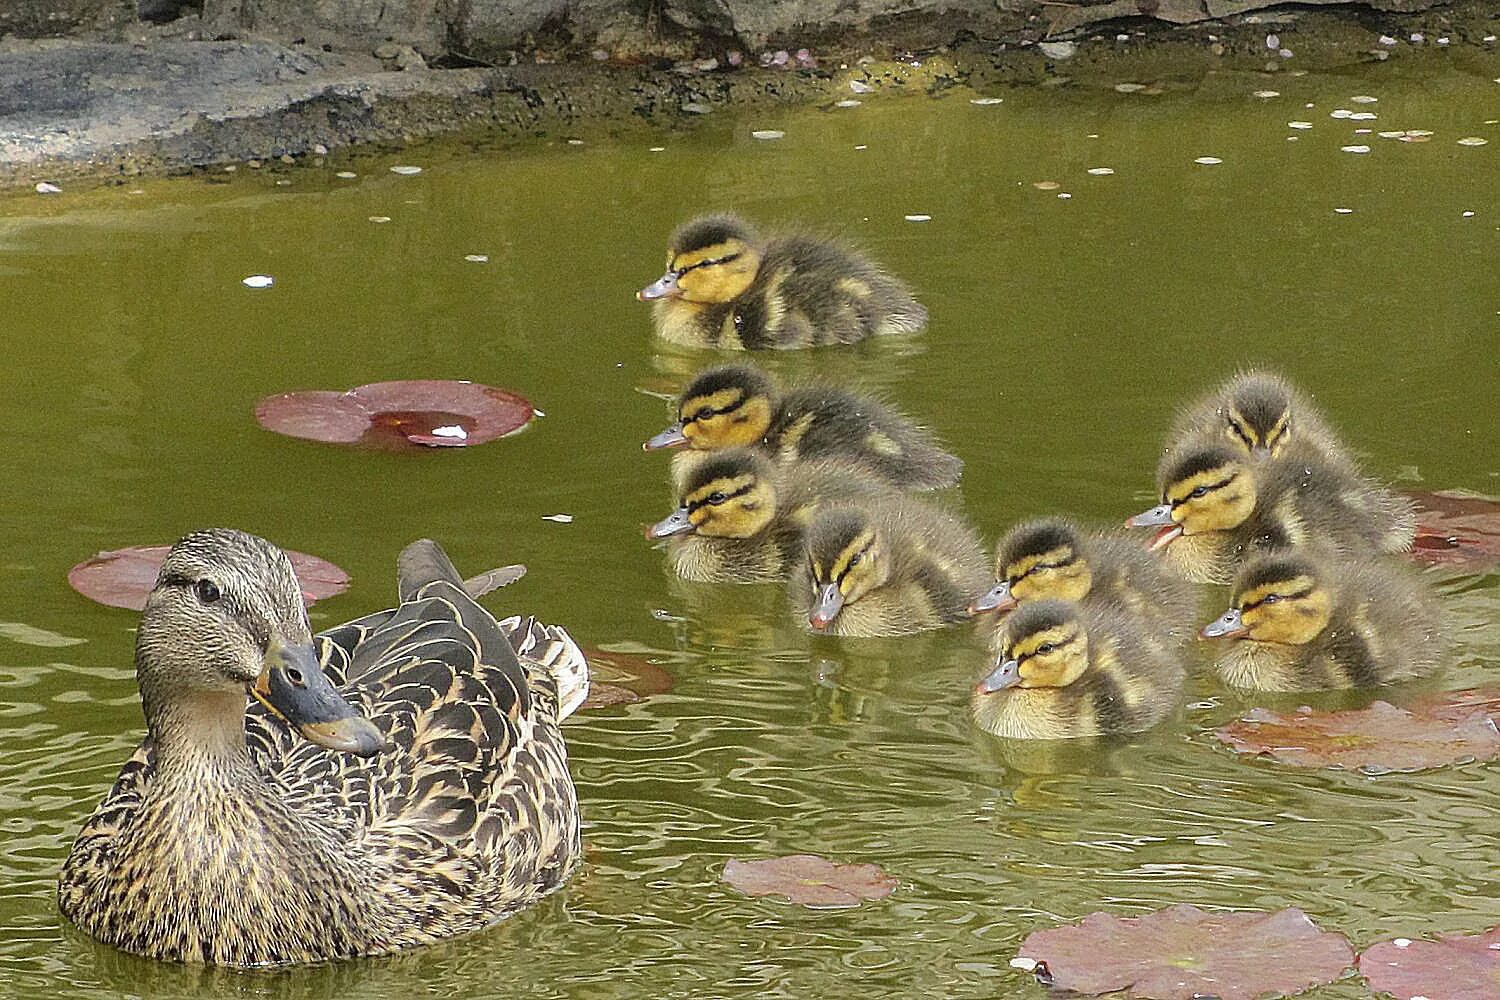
{"points": [[193, 87]]}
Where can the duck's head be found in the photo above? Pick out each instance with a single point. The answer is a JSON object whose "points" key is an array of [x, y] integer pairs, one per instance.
{"points": [[1207, 486], [1035, 561], [731, 494], [722, 407], [710, 260], [226, 617], [847, 556], [1283, 598], [1043, 645], [1257, 414]]}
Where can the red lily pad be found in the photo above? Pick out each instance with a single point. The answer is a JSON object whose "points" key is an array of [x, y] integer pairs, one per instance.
{"points": [[622, 679], [1457, 529], [1379, 738], [1184, 952], [123, 578], [1456, 706], [430, 412], [810, 880], [1454, 967]]}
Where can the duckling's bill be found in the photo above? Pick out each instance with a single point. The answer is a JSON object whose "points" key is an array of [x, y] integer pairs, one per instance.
{"points": [[672, 437], [293, 686], [661, 288], [997, 598], [1159, 516], [1007, 674], [1229, 625], [829, 602], [676, 523]]}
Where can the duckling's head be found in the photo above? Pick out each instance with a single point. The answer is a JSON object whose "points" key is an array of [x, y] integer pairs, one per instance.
{"points": [[1257, 414], [731, 494], [847, 557], [1207, 486], [710, 260], [1037, 560], [723, 407], [1283, 598], [1043, 645], [226, 617]]}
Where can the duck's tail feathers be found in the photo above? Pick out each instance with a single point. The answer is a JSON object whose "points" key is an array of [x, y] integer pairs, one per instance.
{"points": [[493, 579], [423, 562], [553, 649]]}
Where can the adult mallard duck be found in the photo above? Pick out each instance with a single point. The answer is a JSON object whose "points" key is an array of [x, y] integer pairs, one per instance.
{"points": [[739, 405], [1063, 671], [445, 805], [1051, 557], [1300, 622], [726, 286]]}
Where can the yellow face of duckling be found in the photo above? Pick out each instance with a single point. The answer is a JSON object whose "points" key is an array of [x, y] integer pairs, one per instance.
{"points": [[847, 558], [1278, 599], [726, 407], [1037, 561], [1047, 647], [1208, 489], [709, 261], [732, 496]]}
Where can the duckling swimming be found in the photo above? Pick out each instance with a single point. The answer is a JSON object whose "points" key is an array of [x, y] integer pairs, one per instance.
{"points": [[1263, 414], [728, 287], [739, 405], [1300, 622], [1065, 671], [886, 566], [1051, 558], [740, 521], [1220, 508]]}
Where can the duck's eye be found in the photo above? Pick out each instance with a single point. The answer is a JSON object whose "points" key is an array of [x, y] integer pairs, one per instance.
{"points": [[1045, 648], [717, 497], [1271, 599], [207, 591], [703, 414], [858, 558], [1199, 493]]}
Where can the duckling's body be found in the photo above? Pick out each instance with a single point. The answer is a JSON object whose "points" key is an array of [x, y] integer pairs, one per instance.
{"points": [[885, 566], [1065, 671], [727, 287], [1051, 558], [1302, 623], [1220, 508], [228, 840], [740, 519], [739, 405]]}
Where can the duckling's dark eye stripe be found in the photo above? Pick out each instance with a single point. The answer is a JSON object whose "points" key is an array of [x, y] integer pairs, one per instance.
{"points": [[695, 504], [1297, 596], [1056, 645], [705, 412], [1210, 488], [849, 563], [712, 262], [1047, 565], [1241, 433]]}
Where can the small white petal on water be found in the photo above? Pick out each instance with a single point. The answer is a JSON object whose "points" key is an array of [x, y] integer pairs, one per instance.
{"points": [[405, 170], [1364, 99], [1472, 140], [1343, 211], [860, 87], [450, 431], [1417, 36], [1129, 88], [559, 518], [1273, 41], [43, 187], [1101, 171], [1388, 40], [985, 101], [380, 218], [1302, 125], [918, 218], [1023, 963], [1046, 185], [575, 142], [1396, 134], [657, 149], [1467, 215], [1355, 149], [1442, 40], [861, 147], [847, 104], [1489, 38], [1285, 53], [258, 281], [1208, 161], [1122, 38], [1340, 113], [768, 133], [1363, 116], [538, 413], [1266, 93], [1064, 195], [347, 175], [477, 258], [1057, 50], [1402, 942], [1363, 131], [320, 149]]}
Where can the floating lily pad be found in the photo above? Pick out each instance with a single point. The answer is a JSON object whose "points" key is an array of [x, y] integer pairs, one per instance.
{"points": [[809, 880], [123, 578], [1457, 529], [1458, 706], [1184, 952], [622, 679], [1454, 967], [431, 412], [1379, 738]]}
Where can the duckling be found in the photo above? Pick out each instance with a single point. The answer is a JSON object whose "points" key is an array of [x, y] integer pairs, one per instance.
{"points": [[1219, 508], [1065, 671], [1299, 622], [726, 286], [740, 521], [735, 405], [890, 565], [1051, 558]]}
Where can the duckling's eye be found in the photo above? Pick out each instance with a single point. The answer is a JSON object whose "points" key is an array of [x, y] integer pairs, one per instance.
{"points": [[1046, 648], [1271, 599], [856, 560], [704, 413], [717, 497], [207, 591], [1199, 492]]}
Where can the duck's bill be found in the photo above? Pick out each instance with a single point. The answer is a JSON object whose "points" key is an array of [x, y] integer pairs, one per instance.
{"points": [[830, 601], [997, 598], [295, 689], [1229, 625], [1007, 674], [675, 523], [1159, 516], [672, 437], [661, 288]]}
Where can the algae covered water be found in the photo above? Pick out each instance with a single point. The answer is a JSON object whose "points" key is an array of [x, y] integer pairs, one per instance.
{"points": [[1090, 259]]}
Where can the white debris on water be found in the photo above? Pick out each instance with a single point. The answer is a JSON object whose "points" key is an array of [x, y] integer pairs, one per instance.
{"points": [[1364, 99], [1472, 140], [1057, 50], [453, 431], [258, 281], [380, 218], [1101, 171], [1299, 125], [1266, 93], [851, 103], [46, 187], [1208, 161], [1343, 211], [559, 518], [768, 133], [406, 170], [918, 218], [477, 258], [986, 101], [1129, 88], [1355, 149], [347, 175]]}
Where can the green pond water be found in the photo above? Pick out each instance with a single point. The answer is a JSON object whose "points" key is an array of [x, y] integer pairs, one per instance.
{"points": [[1064, 331]]}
